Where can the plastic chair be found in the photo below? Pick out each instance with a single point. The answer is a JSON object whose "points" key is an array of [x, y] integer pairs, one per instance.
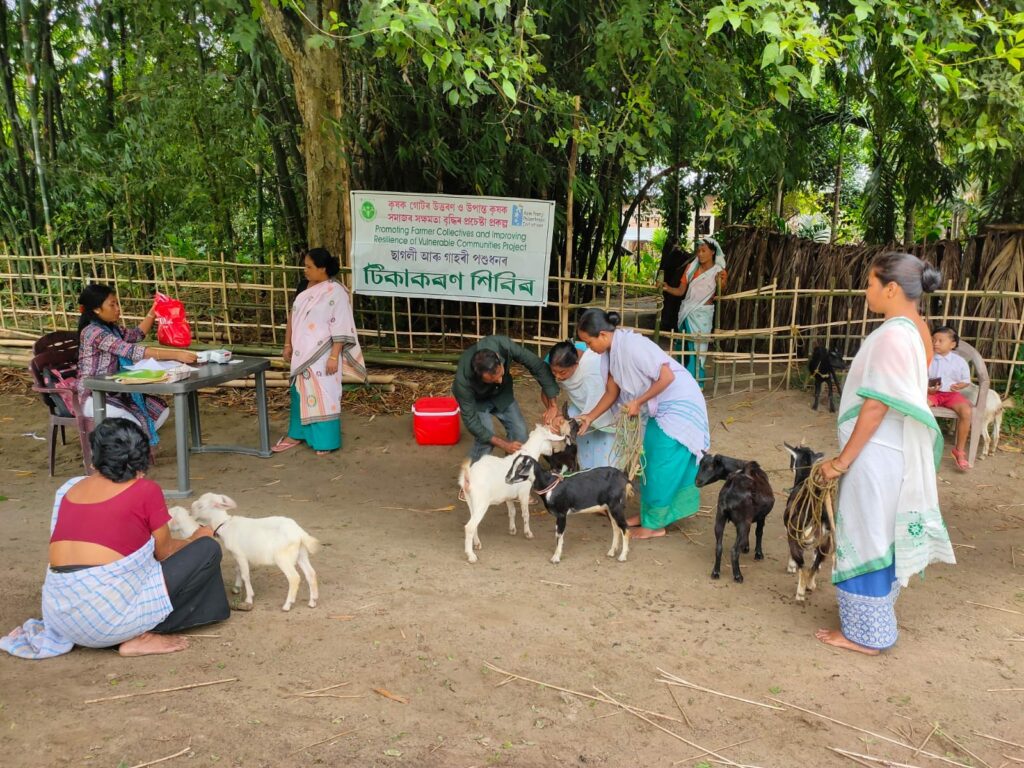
{"points": [[59, 351], [973, 358]]}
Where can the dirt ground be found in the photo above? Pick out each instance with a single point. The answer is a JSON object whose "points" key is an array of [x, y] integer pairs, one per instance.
{"points": [[401, 611]]}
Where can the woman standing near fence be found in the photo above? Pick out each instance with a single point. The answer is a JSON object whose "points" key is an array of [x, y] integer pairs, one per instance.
{"points": [[702, 280], [888, 524], [105, 346], [320, 342], [646, 381]]}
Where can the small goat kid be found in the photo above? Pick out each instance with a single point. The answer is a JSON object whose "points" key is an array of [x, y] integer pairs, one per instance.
{"points": [[482, 484], [803, 532], [823, 365], [745, 499], [182, 524], [593, 490], [993, 417], [276, 541]]}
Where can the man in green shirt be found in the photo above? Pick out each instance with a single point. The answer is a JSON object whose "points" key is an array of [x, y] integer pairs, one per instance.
{"points": [[483, 387]]}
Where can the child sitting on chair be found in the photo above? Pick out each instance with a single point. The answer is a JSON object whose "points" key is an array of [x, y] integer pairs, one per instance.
{"points": [[947, 375]]}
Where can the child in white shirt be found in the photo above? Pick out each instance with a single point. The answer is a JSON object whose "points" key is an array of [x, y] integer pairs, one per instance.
{"points": [[947, 375]]}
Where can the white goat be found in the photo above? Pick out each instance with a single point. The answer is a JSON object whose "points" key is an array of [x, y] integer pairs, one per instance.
{"points": [[182, 524], [276, 541], [993, 417], [483, 484]]}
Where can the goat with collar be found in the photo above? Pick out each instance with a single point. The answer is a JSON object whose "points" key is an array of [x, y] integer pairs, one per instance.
{"points": [[603, 489], [276, 541]]}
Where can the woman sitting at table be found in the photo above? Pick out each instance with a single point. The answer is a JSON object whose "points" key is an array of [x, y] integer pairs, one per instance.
{"points": [[105, 347], [116, 577]]}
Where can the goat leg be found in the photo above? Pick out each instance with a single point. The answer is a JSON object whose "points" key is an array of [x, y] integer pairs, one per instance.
{"points": [[719, 532], [800, 588], [524, 507], [831, 398], [511, 518], [759, 532], [559, 539], [616, 533], [817, 392], [243, 570], [617, 517], [742, 535], [286, 562]]}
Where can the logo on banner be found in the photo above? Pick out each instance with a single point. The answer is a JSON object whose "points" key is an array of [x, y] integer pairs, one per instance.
{"points": [[368, 211], [517, 215]]}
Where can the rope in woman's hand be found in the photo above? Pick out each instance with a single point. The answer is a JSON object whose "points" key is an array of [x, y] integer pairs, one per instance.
{"points": [[815, 498]]}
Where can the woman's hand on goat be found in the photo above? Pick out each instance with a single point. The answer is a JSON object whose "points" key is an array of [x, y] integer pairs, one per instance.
{"points": [[584, 422]]}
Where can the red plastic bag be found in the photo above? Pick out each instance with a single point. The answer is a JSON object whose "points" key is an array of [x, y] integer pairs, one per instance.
{"points": [[172, 327]]}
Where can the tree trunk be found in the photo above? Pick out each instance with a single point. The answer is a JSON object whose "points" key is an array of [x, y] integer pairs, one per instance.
{"points": [[909, 227], [29, 53], [317, 78]]}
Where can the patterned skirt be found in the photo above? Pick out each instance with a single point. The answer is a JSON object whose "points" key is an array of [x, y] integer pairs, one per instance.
{"points": [[867, 608]]}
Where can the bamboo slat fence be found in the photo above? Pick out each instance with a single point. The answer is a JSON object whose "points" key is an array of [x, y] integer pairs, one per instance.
{"points": [[762, 335]]}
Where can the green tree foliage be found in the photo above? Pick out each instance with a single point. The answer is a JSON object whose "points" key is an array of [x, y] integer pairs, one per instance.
{"points": [[220, 125]]}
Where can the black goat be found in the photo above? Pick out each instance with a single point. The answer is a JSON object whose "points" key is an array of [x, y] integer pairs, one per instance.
{"points": [[802, 531], [823, 365], [593, 490], [745, 499], [567, 459]]}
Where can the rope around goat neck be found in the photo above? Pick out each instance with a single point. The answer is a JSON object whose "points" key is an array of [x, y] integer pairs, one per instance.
{"points": [[814, 498]]}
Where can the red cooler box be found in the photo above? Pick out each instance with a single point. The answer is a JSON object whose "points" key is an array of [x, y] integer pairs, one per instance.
{"points": [[435, 421]]}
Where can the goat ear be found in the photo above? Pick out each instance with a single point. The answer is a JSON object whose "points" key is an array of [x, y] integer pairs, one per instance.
{"points": [[818, 457], [226, 502]]}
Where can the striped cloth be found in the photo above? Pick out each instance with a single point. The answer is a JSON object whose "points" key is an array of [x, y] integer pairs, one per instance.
{"points": [[97, 607]]}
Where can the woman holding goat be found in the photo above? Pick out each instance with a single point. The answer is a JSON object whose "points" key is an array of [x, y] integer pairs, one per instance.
{"points": [[888, 524], [647, 383]]}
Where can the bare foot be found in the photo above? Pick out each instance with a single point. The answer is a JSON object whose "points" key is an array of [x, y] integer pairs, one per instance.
{"points": [[838, 639], [646, 533], [149, 643], [633, 521], [324, 453]]}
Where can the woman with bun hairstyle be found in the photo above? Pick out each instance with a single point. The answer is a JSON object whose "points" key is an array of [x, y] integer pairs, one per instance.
{"points": [[888, 524], [646, 382], [320, 342]]}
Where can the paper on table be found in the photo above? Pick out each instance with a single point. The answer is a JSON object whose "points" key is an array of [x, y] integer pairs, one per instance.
{"points": [[149, 364]]}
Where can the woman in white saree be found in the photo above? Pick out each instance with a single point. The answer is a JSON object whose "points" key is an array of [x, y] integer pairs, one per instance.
{"points": [[703, 278], [888, 524]]}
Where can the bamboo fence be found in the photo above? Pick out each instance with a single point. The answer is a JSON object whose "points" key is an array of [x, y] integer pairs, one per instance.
{"points": [[762, 335]]}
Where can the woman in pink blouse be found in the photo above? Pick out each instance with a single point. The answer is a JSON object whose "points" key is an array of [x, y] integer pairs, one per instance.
{"points": [[105, 346]]}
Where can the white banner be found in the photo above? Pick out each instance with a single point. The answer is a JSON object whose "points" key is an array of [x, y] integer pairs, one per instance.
{"points": [[493, 249]]}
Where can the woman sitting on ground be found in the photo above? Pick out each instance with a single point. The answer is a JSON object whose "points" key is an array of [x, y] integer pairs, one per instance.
{"points": [[105, 347], [646, 382], [320, 341], [578, 373], [116, 577]]}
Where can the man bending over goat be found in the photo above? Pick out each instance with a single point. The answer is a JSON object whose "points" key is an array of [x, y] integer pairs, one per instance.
{"points": [[483, 386]]}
